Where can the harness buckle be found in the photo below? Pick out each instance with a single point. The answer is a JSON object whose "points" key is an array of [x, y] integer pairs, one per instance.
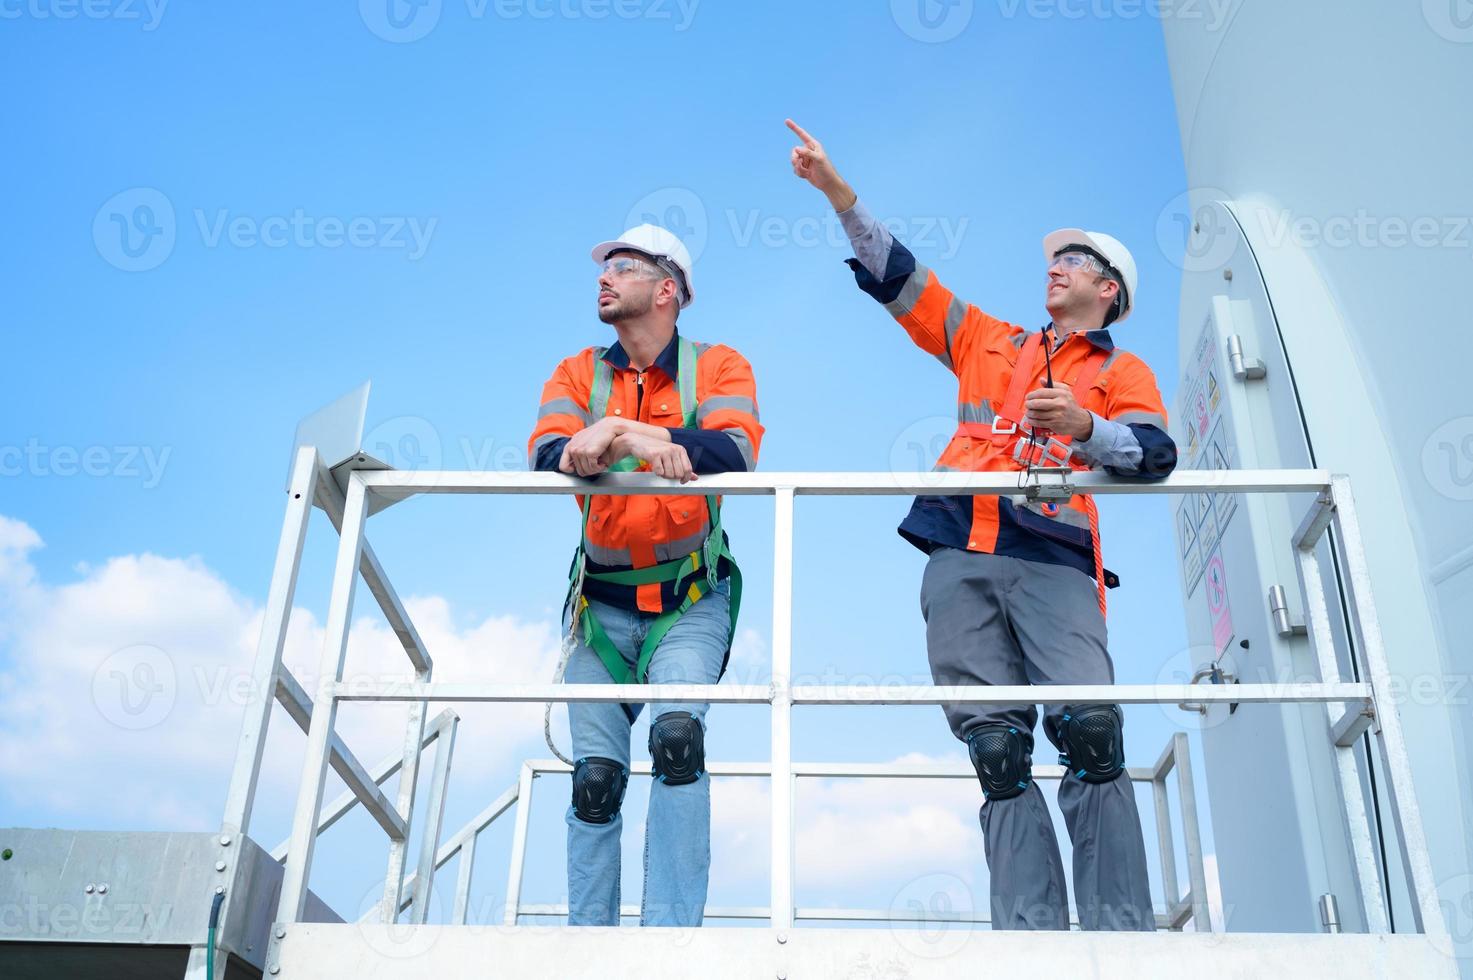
{"points": [[1000, 421]]}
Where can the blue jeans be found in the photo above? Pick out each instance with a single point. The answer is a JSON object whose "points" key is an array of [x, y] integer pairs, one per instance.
{"points": [[677, 846]]}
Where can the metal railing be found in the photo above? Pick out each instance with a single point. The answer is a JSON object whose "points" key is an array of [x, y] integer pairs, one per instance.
{"points": [[1351, 708], [1194, 906]]}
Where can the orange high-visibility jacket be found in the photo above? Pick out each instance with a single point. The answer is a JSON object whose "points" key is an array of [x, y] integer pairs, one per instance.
{"points": [[641, 530], [983, 352]]}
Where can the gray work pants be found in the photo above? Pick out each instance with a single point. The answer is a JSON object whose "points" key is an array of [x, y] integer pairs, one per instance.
{"points": [[991, 619]]}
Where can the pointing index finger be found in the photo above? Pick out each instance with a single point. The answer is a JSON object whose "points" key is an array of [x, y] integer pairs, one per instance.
{"points": [[802, 133]]}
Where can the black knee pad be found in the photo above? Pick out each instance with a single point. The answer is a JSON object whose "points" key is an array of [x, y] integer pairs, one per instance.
{"points": [[1093, 742], [677, 748], [1003, 758], [598, 789]]}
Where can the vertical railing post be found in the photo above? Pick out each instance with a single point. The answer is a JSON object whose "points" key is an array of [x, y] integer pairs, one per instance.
{"points": [[429, 841], [241, 798], [408, 785], [1170, 890], [330, 671], [782, 711], [519, 846], [1192, 833], [463, 881], [1390, 741], [1352, 799]]}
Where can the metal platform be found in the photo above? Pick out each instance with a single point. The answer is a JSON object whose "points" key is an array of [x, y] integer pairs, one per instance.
{"points": [[384, 952], [266, 903]]}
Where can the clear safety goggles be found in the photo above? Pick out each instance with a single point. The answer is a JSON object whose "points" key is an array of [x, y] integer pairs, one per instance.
{"points": [[628, 265], [1077, 260]]}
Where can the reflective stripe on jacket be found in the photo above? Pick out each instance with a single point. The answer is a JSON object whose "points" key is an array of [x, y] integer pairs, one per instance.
{"points": [[982, 352], [641, 530]]}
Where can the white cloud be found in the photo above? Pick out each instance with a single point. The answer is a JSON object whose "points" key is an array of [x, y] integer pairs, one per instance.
{"points": [[123, 691], [855, 834]]}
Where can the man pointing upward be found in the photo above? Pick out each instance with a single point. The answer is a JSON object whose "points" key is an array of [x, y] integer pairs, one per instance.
{"points": [[1013, 591]]}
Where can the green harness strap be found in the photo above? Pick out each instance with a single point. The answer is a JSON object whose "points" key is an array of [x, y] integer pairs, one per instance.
{"points": [[709, 556]]}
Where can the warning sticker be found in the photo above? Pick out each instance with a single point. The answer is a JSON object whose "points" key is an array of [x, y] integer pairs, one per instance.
{"points": [[1217, 604], [1202, 519]]}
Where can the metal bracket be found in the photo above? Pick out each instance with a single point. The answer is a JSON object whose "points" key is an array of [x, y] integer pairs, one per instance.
{"points": [[1214, 671], [1039, 487], [1244, 368], [1278, 608]]}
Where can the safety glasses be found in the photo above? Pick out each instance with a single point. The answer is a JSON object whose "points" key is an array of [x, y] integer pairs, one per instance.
{"points": [[627, 265], [1077, 260]]}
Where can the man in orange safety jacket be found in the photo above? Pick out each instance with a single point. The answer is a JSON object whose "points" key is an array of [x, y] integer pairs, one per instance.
{"points": [[654, 591], [1013, 591]]}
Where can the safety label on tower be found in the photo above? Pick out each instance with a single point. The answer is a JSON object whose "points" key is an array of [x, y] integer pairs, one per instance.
{"points": [[1202, 519]]}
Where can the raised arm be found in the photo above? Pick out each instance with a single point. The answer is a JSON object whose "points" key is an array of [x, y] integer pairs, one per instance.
{"points": [[937, 320]]}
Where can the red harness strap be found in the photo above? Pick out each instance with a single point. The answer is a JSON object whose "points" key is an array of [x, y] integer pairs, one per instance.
{"points": [[1019, 432]]}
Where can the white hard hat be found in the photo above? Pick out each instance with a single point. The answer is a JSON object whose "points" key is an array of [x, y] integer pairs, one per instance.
{"points": [[657, 242], [1104, 245]]}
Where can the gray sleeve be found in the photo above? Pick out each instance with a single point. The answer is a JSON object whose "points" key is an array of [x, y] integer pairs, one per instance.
{"points": [[1111, 444], [871, 240]]}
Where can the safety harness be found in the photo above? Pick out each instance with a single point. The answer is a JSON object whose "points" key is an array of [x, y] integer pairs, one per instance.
{"points": [[1039, 447], [708, 556]]}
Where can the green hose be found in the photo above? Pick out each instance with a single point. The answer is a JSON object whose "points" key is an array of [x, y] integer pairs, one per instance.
{"points": [[210, 942]]}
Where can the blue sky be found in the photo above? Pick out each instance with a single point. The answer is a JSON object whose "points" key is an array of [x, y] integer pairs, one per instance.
{"points": [[313, 199]]}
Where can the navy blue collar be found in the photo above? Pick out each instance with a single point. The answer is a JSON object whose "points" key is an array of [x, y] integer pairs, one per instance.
{"points": [[668, 361], [1100, 338]]}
